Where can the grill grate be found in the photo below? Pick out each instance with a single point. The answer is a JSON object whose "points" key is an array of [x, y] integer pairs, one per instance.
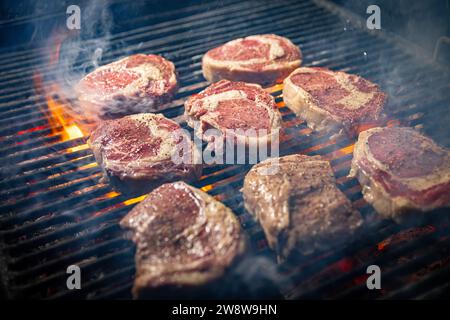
{"points": [[56, 212]]}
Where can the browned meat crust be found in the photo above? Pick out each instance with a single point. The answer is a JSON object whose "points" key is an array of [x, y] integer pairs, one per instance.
{"points": [[299, 206]]}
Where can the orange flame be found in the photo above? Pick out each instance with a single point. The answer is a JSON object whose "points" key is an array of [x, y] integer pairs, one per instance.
{"points": [[68, 129], [61, 121], [58, 119]]}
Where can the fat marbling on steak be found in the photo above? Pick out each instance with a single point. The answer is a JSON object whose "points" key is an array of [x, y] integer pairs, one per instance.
{"points": [[186, 242], [135, 84], [332, 101], [263, 59], [402, 172], [299, 206], [139, 152], [231, 106]]}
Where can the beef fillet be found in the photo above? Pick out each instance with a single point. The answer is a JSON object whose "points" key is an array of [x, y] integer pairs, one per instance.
{"points": [[299, 205], [142, 151], [135, 84], [401, 171], [332, 101], [186, 241], [263, 59], [231, 106]]}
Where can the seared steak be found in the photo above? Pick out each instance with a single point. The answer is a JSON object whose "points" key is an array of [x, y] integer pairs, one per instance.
{"points": [[332, 101], [263, 59], [299, 207], [228, 106], [185, 240], [139, 152], [135, 84], [401, 171]]}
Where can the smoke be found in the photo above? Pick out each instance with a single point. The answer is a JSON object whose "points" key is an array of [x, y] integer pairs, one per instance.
{"points": [[256, 277], [75, 49], [398, 58], [82, 51], [81, 48]]}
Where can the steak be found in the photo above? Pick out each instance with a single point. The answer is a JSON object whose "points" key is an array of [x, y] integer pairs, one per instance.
{"points": [[185, 240], [299, 207], [234, 108], [332, 101], [402, 172], [135, 84], [139, 152], [263, 59]]}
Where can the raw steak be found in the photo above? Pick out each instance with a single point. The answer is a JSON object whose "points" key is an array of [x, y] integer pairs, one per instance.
{"points": [[402, 172], [263, 59]]}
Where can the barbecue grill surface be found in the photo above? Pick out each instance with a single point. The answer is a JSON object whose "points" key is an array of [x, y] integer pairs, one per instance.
{"points": [[55, 212]]}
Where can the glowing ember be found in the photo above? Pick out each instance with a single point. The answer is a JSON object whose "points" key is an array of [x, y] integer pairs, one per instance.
{"points": [[346, 264], [207, 188], [31, 130], [112, 194], [340, 153], [347, 150], [134, 200], [128, 202], [281, 104], [275, 88], [405, 235], [89, 165], [382, 245]]}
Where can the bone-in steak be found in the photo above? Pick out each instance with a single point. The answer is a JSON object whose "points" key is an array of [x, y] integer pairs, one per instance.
{"points": [[332, 100], [299, 205], [185, 240], [263, 59], [231, 106], [135, 84], [137, 152], [402, 172]]}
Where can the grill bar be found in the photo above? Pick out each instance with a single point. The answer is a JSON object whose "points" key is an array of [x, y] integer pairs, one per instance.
{"points": [[426, 242]]}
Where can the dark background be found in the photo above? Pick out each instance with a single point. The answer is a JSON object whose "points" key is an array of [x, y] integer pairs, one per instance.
{"points": [[31, 21], [422, 22]]}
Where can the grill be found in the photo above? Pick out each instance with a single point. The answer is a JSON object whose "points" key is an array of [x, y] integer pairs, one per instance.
{"points": [[56, 212]]}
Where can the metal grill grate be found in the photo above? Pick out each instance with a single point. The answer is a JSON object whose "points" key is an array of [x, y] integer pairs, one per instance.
{"points": [[56, 212]]}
